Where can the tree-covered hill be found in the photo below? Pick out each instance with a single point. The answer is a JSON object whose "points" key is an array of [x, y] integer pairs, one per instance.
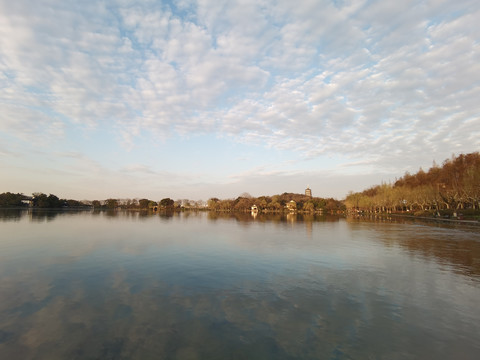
{"points": [[453, 185]]}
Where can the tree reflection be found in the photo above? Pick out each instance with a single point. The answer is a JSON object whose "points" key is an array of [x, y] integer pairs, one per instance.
{"points": [[11, 214], [271, 217], [461, 252]]}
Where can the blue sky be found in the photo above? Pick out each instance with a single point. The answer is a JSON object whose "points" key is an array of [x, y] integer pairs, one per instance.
{"points": [[196, 99]]}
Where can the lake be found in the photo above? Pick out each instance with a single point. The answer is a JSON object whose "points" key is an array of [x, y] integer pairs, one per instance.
{"points": [[130, 285]]}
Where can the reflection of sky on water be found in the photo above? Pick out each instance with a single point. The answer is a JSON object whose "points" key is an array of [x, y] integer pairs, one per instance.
{"points": [[85, 286]]}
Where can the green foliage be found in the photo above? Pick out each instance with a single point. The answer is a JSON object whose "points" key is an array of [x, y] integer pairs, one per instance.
{"points": [[309, 206], [41, 200], [74, 203], [38, 200], [111, 204], [9, 199], [143, 203], [243, 203], [167, 203]]}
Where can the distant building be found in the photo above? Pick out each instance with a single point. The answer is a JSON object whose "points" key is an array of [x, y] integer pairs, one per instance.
{"points": [[291, 206], [254, 211], [308, 192], [28, 202]]}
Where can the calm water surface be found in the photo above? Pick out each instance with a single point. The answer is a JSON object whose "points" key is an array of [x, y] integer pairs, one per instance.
{"points": [[202, 286]]}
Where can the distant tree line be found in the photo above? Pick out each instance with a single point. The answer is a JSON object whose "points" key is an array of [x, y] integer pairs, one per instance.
{"points": [[9, 199], [133, 204], [454, 185], [276, 203], [39, 200]]}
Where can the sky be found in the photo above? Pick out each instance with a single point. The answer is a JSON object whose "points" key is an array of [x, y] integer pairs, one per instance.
{"points": [[210, 98]]}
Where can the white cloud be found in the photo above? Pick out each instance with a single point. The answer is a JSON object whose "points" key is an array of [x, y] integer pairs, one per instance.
{"points": [[395, 81]]}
